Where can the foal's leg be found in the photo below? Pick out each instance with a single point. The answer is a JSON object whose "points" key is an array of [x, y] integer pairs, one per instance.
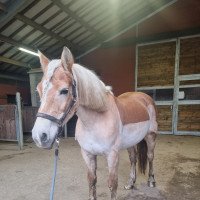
{"points": [[113, 162], [91, 162], [133, 159], [150, 140]]}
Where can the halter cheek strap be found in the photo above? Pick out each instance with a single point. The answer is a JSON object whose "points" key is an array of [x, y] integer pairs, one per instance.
{"points": [[60, 121]]}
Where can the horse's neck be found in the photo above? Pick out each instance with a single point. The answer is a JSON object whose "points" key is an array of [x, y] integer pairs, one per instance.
{"points": [[90, 117], [87, 116]]}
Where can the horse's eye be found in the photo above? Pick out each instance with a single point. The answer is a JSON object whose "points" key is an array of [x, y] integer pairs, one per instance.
{"points": [[64, 91]]}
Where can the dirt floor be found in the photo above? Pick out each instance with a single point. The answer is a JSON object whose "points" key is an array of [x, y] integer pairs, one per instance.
{"points": [[26, 175]]}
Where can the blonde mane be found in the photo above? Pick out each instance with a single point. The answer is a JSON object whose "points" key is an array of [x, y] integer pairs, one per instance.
{"points": [[92, 92]]}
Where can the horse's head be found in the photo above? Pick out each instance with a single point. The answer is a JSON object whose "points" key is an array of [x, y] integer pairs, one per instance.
{"points": [[57, 91]]}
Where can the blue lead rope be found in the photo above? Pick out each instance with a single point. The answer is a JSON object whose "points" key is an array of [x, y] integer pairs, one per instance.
{"points": [[55, 169]]}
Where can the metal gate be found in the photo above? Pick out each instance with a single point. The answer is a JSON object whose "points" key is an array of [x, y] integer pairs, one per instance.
{"points": [[178, 100]]}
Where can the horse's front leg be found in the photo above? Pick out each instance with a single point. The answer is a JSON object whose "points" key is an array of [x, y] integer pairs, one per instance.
{"points": [[113, 162], [91, 162]]}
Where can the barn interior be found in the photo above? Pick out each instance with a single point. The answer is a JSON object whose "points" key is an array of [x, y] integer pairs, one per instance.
{"points": [[152, 46]]}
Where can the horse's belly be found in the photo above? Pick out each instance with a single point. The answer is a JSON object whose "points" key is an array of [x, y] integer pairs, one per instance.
{"points": [[94, 145], [133, 134]]}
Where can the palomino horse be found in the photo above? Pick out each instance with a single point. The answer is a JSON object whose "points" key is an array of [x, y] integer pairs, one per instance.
{"points": [[106, 124]]}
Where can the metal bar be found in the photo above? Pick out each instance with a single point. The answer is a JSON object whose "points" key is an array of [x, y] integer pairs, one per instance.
{"points": [[19, 114], [164, 103], [189, 36], [14, 62], [189, 77], [155, 87], [176, 89], [156, 42], [189, 102], [189, 86], [192, 133]]}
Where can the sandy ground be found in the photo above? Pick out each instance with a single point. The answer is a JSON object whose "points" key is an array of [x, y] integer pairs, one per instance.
{"points": [[26, 175]]}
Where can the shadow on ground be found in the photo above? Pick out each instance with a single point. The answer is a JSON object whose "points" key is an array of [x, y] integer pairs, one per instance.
{"points": [[143, 192]]}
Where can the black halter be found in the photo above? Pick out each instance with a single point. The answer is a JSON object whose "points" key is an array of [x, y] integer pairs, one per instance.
{"points": [[60, 121]]}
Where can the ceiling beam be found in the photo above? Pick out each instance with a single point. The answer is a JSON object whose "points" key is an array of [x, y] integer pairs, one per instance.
{"points": [[11, 77], [12, 9], [73, 15], [14, 62], [126, 27], [15, 43], [37, 26]]}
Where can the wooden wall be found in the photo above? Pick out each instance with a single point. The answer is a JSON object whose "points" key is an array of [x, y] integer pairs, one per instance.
{"points": [[11, 90], [190, 56], [156, 64], [7, 122], [189, 118], [115, 66], [29, 117], [164, 118]]}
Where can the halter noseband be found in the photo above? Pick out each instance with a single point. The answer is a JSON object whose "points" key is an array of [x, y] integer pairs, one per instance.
{"points": [[60, 121]]}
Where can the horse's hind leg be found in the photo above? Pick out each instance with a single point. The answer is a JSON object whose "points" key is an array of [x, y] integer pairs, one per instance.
{"points": [[150, 140], [132, 151], [91, 162], [113, 162]]}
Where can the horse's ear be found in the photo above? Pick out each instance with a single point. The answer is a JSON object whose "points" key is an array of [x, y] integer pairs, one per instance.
{"points": [[44, 61], [67, 59]]}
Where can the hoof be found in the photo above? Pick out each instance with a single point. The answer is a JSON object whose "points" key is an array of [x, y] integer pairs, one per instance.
{"points": [[151, 184], [128, 187]]}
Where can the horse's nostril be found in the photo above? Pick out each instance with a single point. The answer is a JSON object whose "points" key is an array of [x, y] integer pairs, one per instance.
{"points": [[44, 137]]}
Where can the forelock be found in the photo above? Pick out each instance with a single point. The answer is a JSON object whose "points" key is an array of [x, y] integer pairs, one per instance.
{"points": [[52, 66]]}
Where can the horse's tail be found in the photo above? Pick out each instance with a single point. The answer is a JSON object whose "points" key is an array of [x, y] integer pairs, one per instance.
{"points": [[142, 156]]}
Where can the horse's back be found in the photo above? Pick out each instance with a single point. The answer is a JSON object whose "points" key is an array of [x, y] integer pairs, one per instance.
{"points": [[134, 107]]}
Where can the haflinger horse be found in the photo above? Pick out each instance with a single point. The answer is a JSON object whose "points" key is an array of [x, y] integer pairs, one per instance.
{"points": [[106, 124]]}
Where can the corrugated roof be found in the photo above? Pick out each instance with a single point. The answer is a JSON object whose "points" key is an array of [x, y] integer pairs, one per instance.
{"points": [[48, 25]]}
